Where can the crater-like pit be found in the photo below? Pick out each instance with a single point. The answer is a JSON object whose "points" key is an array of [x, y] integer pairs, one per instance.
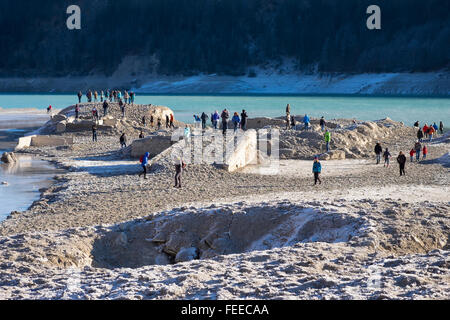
{"points": [[188, 234]]}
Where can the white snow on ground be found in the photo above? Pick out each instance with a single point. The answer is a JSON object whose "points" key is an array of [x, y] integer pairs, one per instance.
{"points": [[290, 82]]}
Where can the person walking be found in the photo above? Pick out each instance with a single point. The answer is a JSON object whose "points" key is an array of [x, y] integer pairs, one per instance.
{"points": [[122, 107], [144, 121], [105, 108], [144, 163], [387, 157], [436, 128], [159, 124], [244, 117], [418, 149], [80, 95], [306, 121], [89, 96], [215, 119], [95, 96], [197, 121], [420, 135], [225, 116], [172, 119], [401, 159], [204, 117], [431, 131], [288, 109], [77, 111], [102, 95], [123, 141], [132, 95], [94, 132], [288, 121], [293, 123], [167, 121], [322, 123], [328, 140], [424, 152], [236, 121], [378, 151], [95, 114], [441, 127], [425, 130], [179, 167], [411, 154], [317, 170]]}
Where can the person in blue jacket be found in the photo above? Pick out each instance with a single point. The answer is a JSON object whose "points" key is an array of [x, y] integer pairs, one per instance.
{"points": [[236, 120], [144, 164], [306, 121], [317, 170]]}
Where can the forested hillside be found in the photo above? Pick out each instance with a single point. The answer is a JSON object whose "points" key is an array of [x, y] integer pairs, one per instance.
{"points": [[222, 36]]}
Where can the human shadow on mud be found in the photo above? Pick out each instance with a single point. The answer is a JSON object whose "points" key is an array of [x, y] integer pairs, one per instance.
{"points": [[112, 170]]}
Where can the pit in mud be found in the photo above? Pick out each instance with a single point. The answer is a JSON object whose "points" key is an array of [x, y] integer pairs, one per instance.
{"points": [[189, 234]]}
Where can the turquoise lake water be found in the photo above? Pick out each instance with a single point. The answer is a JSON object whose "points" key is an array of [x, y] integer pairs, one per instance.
{"points": [[407, 109], [24, 179]]}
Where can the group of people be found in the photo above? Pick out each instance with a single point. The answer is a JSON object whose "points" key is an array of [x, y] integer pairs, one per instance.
{"points": [[111, 95], [427, 131], [170, 121], [291, 121], [238, 121]]}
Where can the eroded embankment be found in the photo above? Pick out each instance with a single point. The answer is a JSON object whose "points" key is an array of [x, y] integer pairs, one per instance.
{"points": [[192, 233]]}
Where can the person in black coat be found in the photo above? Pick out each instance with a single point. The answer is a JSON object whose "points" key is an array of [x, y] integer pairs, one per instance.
{"points": [[244, 117], [420, 135], [401, 159], [378, 150]]}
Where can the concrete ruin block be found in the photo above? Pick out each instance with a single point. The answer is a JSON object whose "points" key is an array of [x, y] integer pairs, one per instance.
{"points": [[24, 142], [245, 152], [59, 118], [50, 141], [109, 122], [61, 127], [261, 122], [83, 125], [154, 145]]}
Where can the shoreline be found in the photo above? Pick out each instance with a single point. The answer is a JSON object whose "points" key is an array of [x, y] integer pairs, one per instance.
{"points": [[109, 224]]}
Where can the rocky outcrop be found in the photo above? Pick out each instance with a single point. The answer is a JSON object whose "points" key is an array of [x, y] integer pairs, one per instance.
{"points": [[9, 158]]}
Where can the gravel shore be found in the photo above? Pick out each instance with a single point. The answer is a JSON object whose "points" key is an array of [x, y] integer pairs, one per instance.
{"points": [[363, 221]]}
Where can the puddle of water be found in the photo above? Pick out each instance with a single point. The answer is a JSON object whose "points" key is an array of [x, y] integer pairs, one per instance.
{"points": [[24, 181]]}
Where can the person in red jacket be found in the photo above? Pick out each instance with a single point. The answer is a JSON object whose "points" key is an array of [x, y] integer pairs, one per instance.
{"points": [[425, 152], [425, 130], [412, 152]]}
